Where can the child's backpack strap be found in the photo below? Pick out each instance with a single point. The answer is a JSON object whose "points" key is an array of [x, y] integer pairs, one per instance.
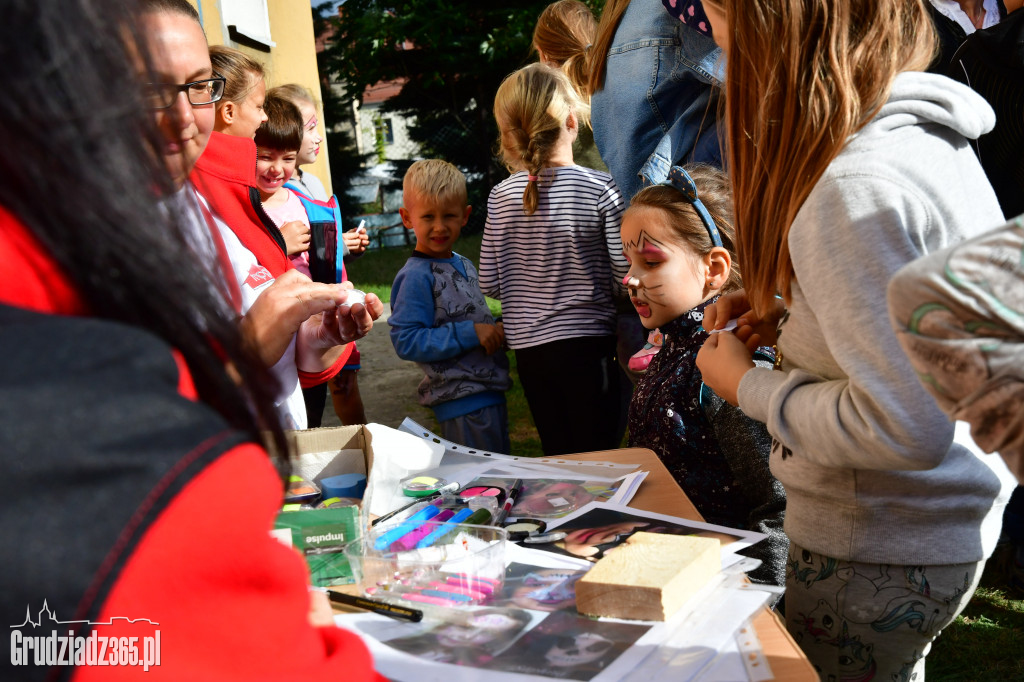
{"points": [[326, 248]]}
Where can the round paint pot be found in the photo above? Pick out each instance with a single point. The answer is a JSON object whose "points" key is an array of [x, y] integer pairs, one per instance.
{"points": [[421, 486], [520, 529], [344, 485], [334, 502], [354, 296], [482, 491]]}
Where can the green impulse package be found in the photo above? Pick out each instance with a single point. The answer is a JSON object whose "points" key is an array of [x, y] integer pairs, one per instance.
{"points": [[320, 535]]}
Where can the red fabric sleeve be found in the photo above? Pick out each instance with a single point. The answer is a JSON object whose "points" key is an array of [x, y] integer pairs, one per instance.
{"points": [[307, 379], [29, 277], [231, 602]]}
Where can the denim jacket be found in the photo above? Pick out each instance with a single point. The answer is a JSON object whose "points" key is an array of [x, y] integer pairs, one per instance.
{"points": [[658, 104]]}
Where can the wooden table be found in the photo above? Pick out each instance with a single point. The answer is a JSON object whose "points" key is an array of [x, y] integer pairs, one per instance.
{"points": [[661, 494]]}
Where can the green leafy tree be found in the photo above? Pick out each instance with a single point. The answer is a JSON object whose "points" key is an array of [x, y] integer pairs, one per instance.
{"points": [[453, 55], [342, 153]]}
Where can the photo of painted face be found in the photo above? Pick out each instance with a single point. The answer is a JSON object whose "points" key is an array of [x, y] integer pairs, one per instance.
{"points": [[547, 498], [594, 534], [470, 637], [540, 589], [568, 646]]}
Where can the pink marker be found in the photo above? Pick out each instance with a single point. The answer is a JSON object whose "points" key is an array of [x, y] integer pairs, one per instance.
{"points": [[484, 585], [458, 589]]}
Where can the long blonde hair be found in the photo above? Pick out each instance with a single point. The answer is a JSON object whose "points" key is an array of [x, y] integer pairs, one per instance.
{"points": [[802, 77], [531, 107], [564, 33]]}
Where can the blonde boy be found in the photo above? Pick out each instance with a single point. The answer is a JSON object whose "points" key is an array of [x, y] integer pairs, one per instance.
{"points": [[439, 318]]}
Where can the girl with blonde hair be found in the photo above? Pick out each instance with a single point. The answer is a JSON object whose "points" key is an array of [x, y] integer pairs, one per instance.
{"points": [[551, 254], [240, 110], [847, 162]]}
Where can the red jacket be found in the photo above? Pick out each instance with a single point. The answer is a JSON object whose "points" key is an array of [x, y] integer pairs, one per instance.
{"points": [[225, 175], [182, 539]]}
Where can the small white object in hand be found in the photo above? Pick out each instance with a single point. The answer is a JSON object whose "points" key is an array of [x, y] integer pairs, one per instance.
{"points": [[729, 326], [354, 296]]}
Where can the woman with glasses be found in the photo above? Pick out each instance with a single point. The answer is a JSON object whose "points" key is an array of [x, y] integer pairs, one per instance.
{"points": [[137, 493]]}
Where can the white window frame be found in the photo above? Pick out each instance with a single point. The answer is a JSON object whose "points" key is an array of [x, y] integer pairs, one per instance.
{"points": [[250, 18]]}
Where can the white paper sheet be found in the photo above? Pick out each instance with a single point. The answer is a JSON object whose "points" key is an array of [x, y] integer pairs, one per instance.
{"points": [[459, 456]]}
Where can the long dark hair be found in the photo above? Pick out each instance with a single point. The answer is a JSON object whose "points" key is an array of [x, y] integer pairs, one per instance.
{"points": [[82, 170]]}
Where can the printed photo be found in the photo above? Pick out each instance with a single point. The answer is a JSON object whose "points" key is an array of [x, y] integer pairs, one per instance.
{"points": [[469, 637], [598, 529], [568, 646], [539, 589]]}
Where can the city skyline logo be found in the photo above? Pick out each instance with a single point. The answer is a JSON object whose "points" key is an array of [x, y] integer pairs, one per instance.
{"points": [[53, 619], [57, 648]]}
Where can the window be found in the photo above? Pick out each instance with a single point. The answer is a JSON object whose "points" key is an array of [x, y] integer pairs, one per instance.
{"points": [[248, 23], [385, 134]]}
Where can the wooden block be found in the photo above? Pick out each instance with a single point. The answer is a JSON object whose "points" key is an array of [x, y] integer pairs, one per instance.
{"points": [[649, 577]]}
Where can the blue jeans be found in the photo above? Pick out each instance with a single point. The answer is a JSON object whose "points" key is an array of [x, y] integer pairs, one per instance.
{"points": [[658, 105]]}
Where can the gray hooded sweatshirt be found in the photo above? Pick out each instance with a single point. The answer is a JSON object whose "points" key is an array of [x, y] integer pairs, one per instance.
{"points": [[866, 456]]}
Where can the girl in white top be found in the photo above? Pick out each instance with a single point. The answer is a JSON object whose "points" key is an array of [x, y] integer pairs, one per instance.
{"points": [[551, 253]]}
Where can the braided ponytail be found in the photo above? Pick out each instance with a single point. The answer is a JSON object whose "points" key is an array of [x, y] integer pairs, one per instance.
{"points": [[531, 108]]}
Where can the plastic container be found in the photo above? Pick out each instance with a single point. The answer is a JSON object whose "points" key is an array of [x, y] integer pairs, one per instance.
{"points": [[455, 565]]}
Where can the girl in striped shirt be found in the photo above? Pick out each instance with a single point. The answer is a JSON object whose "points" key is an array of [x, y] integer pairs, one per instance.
{"points": [[551, 254]]}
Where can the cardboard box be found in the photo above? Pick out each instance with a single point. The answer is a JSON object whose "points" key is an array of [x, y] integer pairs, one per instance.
{"points": [[352, 445], [320, 534]]}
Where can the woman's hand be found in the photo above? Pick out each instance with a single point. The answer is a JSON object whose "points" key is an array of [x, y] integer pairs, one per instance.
{"points": [[321, 336], [722, 361], [279, 312], [752, 330]]}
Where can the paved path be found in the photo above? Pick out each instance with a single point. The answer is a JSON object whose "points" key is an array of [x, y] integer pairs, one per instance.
{"points": [[386, 382]]}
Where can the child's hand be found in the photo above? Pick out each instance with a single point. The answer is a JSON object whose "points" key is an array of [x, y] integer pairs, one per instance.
{"points": [[356, 240], [722, 361], [500, 326], [296, 237], [490, 336], [751, 329]]}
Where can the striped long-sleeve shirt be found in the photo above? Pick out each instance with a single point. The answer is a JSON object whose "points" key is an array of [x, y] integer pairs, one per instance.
{"points": [[554, 271]]}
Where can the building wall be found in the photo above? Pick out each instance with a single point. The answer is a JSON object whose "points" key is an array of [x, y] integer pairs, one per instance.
{"points": [[292, 58]]}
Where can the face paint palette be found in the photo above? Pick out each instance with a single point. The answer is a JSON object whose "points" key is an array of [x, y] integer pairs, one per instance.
{"points": [[483, 491], [421, 486], [520, 529]]}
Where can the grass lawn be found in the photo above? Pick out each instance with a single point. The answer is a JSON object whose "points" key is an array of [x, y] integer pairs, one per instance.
{"points": [[375, 271], [985, 643]]}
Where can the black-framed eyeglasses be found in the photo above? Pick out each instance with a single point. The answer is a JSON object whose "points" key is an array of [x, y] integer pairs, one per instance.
{"points": [[164, 95]]}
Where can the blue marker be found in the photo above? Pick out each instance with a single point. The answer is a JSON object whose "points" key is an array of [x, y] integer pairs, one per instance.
{"points": [[396, 533], [441, 530]]}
